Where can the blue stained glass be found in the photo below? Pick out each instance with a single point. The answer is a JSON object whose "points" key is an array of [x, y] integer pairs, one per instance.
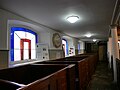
{"points": [[13, 29], [12, 45]]}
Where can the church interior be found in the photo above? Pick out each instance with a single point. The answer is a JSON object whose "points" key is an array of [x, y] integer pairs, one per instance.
{"points": [[59, 44]]}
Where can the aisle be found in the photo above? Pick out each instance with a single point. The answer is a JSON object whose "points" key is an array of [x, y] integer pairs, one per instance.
{"points": [[102, 79]]}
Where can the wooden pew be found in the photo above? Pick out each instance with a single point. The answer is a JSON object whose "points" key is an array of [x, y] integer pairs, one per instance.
{"points": [[85, 66], [77, 74], [37, 77], [9, 85], [70, 74], [91, 64]]}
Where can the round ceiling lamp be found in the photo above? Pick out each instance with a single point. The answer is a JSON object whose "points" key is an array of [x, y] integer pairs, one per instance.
{"points": [[73, 19], [94, 40], [88, 35]]}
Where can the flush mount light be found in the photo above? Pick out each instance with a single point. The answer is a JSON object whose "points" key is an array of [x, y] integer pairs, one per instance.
{"points": [[88, 35], [72, 19], [94, 40]]}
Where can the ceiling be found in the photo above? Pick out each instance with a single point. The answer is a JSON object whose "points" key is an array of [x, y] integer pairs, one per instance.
{"points": [[95, 15]]}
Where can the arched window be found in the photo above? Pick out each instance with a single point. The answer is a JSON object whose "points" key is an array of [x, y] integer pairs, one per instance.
{"points": [[65, 46], [23, 44]]}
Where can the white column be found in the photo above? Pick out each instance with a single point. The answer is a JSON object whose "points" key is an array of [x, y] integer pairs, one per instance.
{"points": [[109, 45], [115, 49]]}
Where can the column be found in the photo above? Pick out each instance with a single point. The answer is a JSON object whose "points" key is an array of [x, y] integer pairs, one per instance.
{"points": [[115, 49], [109, 45]]}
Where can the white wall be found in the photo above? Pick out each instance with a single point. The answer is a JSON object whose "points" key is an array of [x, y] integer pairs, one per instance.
{"points": [[3, 32], [45, 34], [82, 46], [44, 37], [75, 43], [8, 20]]}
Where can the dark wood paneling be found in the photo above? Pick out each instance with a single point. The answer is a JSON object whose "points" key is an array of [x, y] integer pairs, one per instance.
{"points": [[85, 65], [37, 77], [71, 73]]}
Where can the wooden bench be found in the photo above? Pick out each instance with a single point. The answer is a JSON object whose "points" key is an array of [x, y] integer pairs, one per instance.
{"points": [[37, 77], [77, 74], [9, 85], [84, 68]]}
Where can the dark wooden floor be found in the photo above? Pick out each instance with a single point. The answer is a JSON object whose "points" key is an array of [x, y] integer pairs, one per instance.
{"points": [[102, 78]]}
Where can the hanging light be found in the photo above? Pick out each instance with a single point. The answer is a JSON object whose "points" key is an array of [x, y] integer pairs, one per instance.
{"points": [[72, 19]]}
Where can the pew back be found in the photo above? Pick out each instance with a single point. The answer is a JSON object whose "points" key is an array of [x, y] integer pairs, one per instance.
{"points": [[37, 77]]}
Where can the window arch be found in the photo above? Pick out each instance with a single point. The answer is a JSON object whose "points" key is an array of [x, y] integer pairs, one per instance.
{"points": [[23, 44], [65, 46]]}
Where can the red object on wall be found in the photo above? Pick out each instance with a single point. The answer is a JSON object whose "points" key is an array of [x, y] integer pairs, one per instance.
{"points": [[22, 47]]}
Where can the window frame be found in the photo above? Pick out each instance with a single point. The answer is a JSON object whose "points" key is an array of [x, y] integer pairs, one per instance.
{"points": [[13, 29], [67, 52]]}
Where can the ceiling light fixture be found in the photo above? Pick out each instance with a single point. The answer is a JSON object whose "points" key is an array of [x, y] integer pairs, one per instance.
{"points": [[88, 35], [94, 40], [72, 19]]}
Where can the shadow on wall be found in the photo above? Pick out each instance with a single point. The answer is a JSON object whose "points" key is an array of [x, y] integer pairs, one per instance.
{"points": [[4, 56], [102, 51], [56, 54]]}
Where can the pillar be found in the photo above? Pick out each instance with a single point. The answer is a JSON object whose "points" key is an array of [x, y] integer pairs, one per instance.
{"points": [[109, 45], [115, 49]]}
